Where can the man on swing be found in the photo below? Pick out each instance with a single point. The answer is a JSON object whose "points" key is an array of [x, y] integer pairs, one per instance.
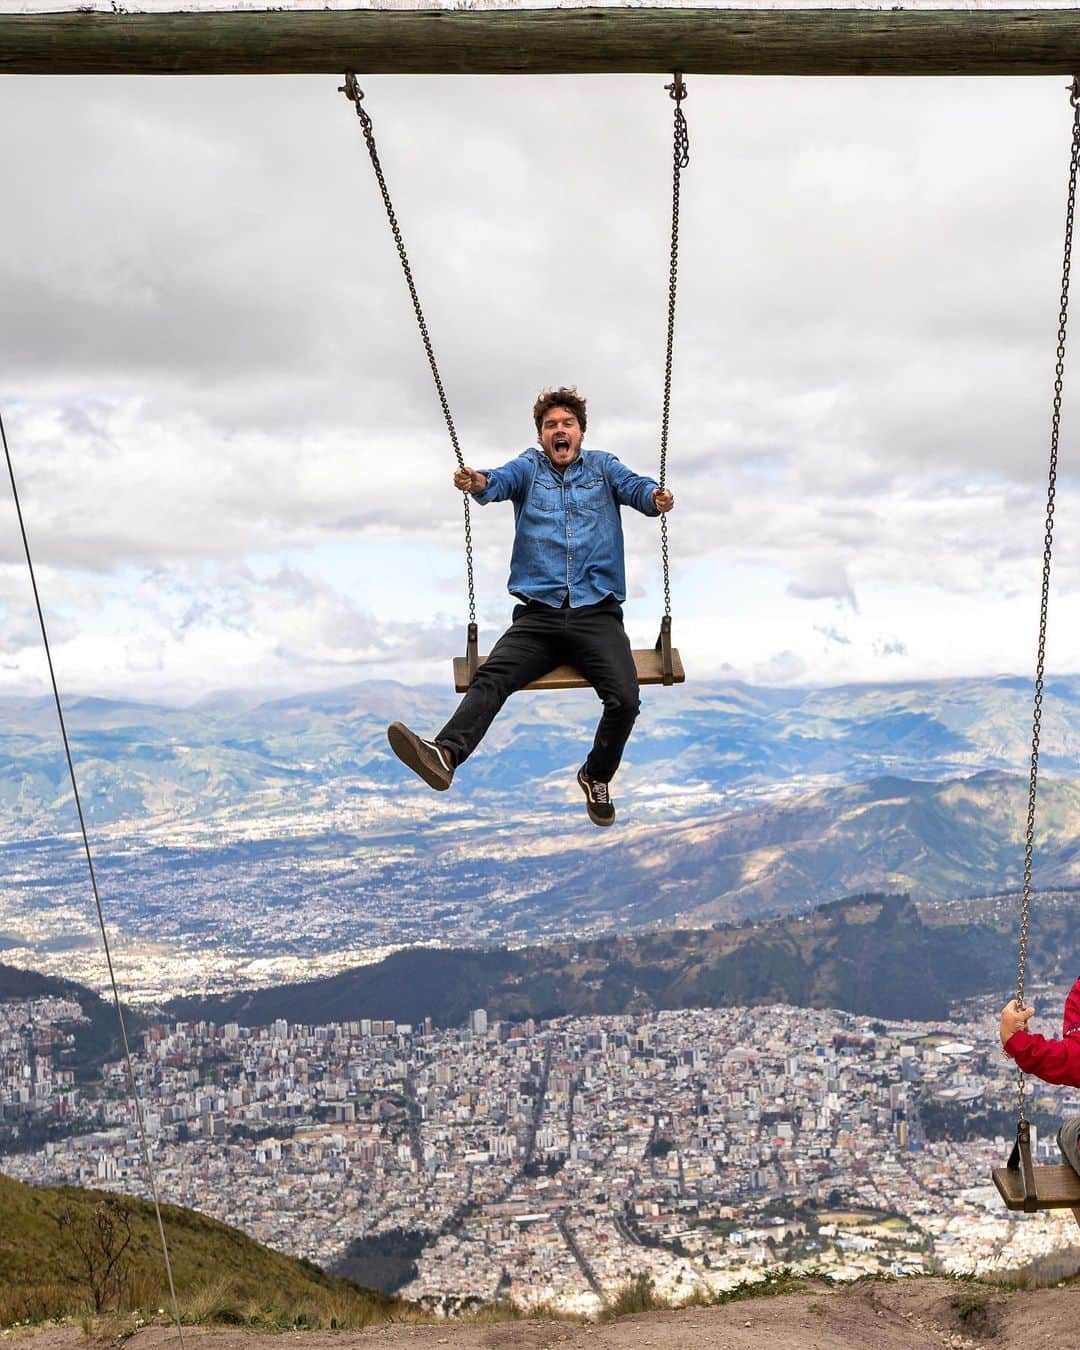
{"points": [[567, 573]]}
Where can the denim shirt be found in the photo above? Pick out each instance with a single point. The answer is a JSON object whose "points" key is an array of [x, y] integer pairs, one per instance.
{"points": [[568, 539]]}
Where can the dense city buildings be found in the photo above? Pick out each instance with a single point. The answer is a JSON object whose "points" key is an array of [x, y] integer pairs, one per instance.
{"points": [[554, 1160]]}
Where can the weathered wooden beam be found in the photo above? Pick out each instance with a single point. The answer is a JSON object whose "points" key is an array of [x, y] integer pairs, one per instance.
{"points": [[542, 42]]}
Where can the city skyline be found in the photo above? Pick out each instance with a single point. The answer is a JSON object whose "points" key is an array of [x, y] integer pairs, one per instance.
{"points": [[549, 1160]]}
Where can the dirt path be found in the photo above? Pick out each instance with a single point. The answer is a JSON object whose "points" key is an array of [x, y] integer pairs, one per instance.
{"points": [[902, 1315]]}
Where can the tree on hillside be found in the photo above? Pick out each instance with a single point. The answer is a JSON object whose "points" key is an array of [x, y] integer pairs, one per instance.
{"points": [[98, 1237]]}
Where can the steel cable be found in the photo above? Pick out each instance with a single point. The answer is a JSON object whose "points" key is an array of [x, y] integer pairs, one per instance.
{"points": [[132, 1081]]}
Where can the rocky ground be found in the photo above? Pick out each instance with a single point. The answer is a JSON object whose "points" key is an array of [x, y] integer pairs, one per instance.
{"points": [[899, 1315]]}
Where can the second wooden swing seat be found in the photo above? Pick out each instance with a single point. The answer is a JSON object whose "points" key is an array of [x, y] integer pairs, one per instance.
{"points": [[1057, 1186], [1023, 1186]]}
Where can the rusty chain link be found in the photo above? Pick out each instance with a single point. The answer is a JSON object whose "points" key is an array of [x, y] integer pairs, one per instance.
{"points": [[355, 95], [681, 158], [1048, 541]]}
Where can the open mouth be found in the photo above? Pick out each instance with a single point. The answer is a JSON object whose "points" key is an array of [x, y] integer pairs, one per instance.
{"points": [[561, 443]]}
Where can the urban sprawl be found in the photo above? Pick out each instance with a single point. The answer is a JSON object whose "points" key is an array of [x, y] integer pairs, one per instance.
{"points": [[554, 1161]]}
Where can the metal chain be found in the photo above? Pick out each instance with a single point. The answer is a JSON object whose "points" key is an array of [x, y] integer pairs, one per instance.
{"points": [[1048, 540], [355, 95], [140, 1119], [681, 158]]}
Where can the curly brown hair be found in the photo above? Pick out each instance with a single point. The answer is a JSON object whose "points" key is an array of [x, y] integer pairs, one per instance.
{"points": [[559, 398]]}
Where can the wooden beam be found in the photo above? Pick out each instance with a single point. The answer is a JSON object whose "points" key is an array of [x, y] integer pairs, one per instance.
{"points": [[545, 42]]}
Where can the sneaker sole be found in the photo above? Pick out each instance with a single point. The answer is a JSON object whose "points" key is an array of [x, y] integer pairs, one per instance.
{"points": [[610, 820], [406, 745]]}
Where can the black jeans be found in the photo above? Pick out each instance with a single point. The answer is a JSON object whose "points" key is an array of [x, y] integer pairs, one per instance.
{"points": [[590, 637]]}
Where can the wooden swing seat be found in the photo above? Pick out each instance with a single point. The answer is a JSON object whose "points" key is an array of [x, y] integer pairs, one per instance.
{"points": [[1057, 1186], [648, 660]]}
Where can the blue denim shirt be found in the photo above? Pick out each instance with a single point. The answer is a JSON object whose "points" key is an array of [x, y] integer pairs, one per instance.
{"points": [[568, 538]]}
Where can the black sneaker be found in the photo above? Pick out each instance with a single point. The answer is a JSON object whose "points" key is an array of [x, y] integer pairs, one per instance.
{"points": [[425, 758], [597, 799]]}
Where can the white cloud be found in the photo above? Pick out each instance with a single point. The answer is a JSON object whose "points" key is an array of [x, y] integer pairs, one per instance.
{"points": [[214, 382], [823, 579], [785, 667]]}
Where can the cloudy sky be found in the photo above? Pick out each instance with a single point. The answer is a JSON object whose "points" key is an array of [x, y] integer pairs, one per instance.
{"points": [[233, 465]]}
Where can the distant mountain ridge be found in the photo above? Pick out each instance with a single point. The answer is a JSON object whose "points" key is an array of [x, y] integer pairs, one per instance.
{"points": [[936, 839], [286, 829], [873, 954], [877, 954], [230, 752]]}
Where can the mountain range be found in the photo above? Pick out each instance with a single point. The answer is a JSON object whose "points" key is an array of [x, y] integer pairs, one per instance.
{"points": [[246, 829], [142, 762], [876, 954]]}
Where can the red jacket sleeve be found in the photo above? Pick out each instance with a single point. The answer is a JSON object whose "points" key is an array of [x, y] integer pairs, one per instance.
{"points": [[1054, 1061]]}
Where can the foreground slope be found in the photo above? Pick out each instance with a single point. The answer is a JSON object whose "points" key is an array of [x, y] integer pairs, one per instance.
{"points": [[915, 1314], [41, 1270]]}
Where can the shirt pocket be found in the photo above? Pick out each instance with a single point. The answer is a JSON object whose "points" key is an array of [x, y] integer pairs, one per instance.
{"points": [[590, 494], [546, 498]]}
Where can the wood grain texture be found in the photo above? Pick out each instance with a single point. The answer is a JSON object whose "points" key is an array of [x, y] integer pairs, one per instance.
{"points": [[647, 661], [538, 42], [1057, 1187]]}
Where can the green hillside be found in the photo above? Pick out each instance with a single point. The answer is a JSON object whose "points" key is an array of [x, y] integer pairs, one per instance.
{"points": [[220, 1274], [95, 1040]]}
